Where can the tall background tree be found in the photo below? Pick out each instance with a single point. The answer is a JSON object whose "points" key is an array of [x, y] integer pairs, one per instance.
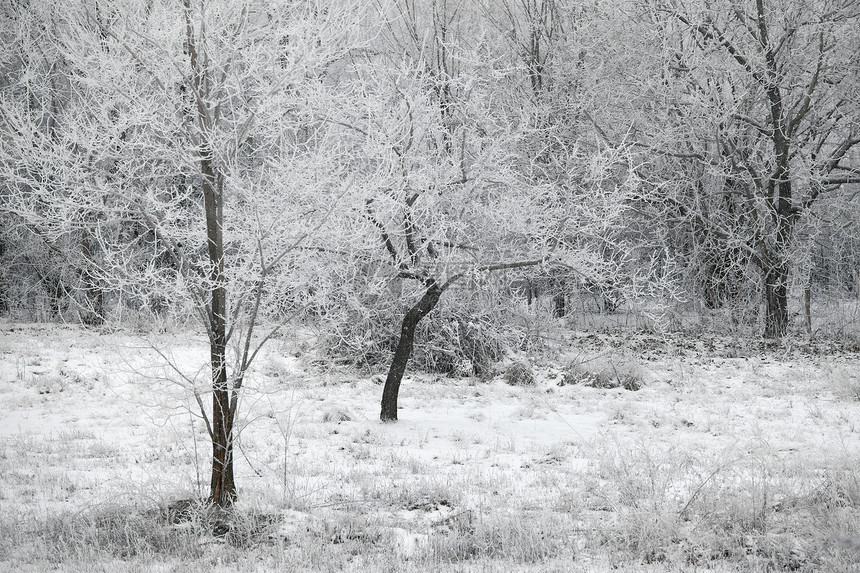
{"points": [[752, 101]]}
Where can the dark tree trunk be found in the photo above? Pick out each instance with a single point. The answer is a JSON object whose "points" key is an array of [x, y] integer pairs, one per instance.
{"points": [[4, 296], [557, 286], [559, 305], [419, 310], [776, 302], [93, 313], [56, 292], [222, 486], [776, 276], [779, 192]]}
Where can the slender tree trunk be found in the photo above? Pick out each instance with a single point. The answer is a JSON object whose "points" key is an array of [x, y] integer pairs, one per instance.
{"points": [[419, 310], [559, 300], [559, 306], [4, 297], [93, 314], [222, 486], [56, 292]]}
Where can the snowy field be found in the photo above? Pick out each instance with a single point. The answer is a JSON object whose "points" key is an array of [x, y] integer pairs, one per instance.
{"points": [[732, 456]]}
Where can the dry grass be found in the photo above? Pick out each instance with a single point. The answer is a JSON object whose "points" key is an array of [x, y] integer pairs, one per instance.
{"points": [[719, 465], [604, 371], [519, 374]]}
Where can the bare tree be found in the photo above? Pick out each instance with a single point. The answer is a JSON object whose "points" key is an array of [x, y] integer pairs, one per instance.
{"points": [[36, 72], [445, 175], [180, 149], [763, 94]]}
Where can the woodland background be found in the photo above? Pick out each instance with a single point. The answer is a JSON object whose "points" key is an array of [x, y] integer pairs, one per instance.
{"points": [[542, 193], [690, 162]]}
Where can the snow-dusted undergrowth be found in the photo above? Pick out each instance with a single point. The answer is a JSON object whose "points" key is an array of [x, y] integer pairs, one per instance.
{"points": [[726, 459]]}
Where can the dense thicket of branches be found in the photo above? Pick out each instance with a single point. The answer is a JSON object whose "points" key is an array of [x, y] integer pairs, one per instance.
{"points": [[350, 163], [715, 144]]}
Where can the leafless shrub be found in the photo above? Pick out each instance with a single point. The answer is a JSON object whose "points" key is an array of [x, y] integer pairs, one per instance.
{"points": [[604, 372], [337, 415], [531, 540], [519, 374], [113, 531], [461, 340]]}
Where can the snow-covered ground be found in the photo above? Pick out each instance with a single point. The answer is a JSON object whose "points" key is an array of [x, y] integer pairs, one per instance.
{"points": [[728, 458]]}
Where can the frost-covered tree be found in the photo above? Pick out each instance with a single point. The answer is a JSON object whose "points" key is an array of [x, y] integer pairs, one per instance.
{"points": [[756, 103], [188, 148], [441, 152], [38, 266]]}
